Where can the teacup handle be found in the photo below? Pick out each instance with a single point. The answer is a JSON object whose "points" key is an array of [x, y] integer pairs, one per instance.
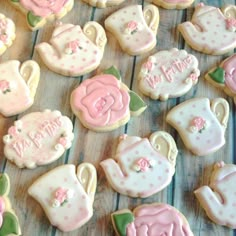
{"points": [[220, 108], [165, 145], [30, 72], [87, 176], [96, 34], [151, 16]]}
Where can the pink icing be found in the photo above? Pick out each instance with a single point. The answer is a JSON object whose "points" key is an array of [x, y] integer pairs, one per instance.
{"points": [[198, 122], [44, 8], [4, 85], [101, 100], [3, 31], [230, 73], [73, 46], [13, 131], [230, 23], [144, 164]]}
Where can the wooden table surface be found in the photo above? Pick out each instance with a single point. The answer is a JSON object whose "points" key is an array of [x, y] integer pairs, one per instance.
{"points": [[54, 93]]}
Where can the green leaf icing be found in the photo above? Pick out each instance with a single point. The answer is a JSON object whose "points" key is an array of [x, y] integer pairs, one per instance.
{"points": [[9, 225], [32, 19], [136, 102], [4, 183], [218, 75], [15, 0], [121, 221], [113, 71]]}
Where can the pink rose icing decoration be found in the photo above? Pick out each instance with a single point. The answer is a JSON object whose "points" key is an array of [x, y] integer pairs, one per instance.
{"points": [[4, 85], [2, 209], [63, 141], [143, 164], [131, 27], [231, 24], [198, 124], [62, 196]]}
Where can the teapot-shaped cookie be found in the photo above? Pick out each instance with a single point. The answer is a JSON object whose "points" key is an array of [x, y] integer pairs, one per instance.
{"points": [[143, 166], [74, 51]]}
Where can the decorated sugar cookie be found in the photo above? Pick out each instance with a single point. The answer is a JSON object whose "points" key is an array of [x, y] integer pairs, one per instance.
{"points": [[18, 84], [67, 195], [224, 76], [173, 4], [104, 103], [134, 28], [201, 123], [7, 33], [210, 31], [73, 51], [155, 219], [38, 13], [218, 199], [9, 224], [142, 167], [168, 74], [38, 138], [103, 3]]}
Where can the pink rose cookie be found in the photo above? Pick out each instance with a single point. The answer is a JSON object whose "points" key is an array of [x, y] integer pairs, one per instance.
{"points": [[157, 219], [38, 138], [201, 123], [209, 31], [168, 74], [134, 28], [173, 4], [67, 195], [218, 199], [103, 3], [224, 76], [73, 51], [7, 33], [142, 167], [38, 13], [104, 103], [18, 85], [9, 224]]}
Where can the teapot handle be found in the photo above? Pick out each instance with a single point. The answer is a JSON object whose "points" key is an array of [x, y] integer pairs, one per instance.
{"points": [[229, 11], [151, 16], [30, 72], [87, 176], [220, 108]]}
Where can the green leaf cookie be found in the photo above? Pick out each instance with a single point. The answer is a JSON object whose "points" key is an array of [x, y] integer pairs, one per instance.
{"points": [[4, 184], [136, 102], [218, 75], [113, 71], [9, 225], [32, 19]]}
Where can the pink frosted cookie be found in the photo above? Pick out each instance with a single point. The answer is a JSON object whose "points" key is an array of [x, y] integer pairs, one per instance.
{"points": [[18, 84], [73, 51], [9, 224], [224, 76], [38, 13], [218, 199], [38, 138], [157, 219], [173, 4], [134, 28], [7, 33], [168, 74], [104, 103], [67, 195], [142, 167], [209, 31], [201, 123], [103, 3]]}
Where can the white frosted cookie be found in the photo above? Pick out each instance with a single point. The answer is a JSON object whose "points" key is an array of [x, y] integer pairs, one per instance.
{"points": [[18, 85], [7, 33], [9, 224], [210, 31], [134, 28], [218, 199], [201, 123], [168, 74], [141, 166], [38, 13], [103, 3], [155, 219], [73, 51], [173, 4], [103, 103], [67, 195], [38, 138]]}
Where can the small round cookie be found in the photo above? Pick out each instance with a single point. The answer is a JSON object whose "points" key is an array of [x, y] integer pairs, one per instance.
{"points": [[18, 85], [134, 28], [168, 74], [201, 123], [142, 167], [218, 199], [73, 51], [38, 13], [9, 224], [7, 33], [151, 220], [38, 138], [173, 4], [67, 195], [209, 31], [103, 3], [103, 103]]}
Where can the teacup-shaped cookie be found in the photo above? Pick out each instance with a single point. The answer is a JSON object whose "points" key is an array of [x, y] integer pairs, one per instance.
{"points": [[73, 51]]}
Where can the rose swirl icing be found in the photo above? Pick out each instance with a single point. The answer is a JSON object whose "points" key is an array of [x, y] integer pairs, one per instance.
{"points": [[230, 73]]}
